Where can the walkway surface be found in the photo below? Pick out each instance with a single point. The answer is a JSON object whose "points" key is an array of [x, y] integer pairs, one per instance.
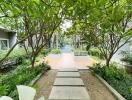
{"points": [[67, 80], [68, 86], [68, 60]]}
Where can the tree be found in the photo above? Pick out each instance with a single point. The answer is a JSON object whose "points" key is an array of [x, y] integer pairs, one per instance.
{"points": [[37, 27], [115, 33], [104, 24]]}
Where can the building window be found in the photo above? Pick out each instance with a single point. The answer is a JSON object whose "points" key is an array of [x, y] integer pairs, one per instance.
{"points": [[3, 44]]}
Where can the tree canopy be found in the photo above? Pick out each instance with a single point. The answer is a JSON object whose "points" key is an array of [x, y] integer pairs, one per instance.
{"points": [[104, 23]]}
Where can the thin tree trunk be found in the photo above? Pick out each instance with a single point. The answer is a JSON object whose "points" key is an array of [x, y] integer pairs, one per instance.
{"points": [[33, 61], [109, 59], [107, 62]]}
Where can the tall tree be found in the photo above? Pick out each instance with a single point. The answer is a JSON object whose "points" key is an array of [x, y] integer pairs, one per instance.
{"points": [[104, 23], [37, 27]]}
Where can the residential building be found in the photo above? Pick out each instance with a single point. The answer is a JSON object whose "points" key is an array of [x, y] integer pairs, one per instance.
{"points": [[7, 39]]}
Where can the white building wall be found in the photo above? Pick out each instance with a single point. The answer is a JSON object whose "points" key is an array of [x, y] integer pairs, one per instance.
{"points": [[9, 36], [12, 39]]}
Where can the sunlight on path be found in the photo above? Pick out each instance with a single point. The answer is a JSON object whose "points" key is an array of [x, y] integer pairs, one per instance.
{"points": [[68, 60]]}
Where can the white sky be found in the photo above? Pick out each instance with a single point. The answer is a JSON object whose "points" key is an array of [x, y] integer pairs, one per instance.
{"points": [[66, 24]]}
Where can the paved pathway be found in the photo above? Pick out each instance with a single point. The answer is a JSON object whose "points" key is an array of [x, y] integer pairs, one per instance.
{"points": [[68, 60], [68, 86]]}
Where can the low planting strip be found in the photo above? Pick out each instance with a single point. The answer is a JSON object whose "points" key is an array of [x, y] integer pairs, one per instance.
{"points": [[117, 95], [38, 77]]}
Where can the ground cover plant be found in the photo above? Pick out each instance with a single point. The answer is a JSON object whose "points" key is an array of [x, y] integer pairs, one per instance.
{"points": [[80, 52], [119, 79], [55, 51], [17, 52], [17, 56], [22, 75]]}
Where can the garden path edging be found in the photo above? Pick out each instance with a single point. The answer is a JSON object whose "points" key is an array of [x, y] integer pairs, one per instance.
{"points": [[38, 77], [117, 95]]}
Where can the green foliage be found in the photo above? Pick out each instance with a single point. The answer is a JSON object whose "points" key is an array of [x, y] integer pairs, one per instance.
{"points": [[78, 52], [22, 75], [95, 52], [127, 57], [16, 53], [55, 51], [45, 51], [42, 54], [103, 24], [4, 89], [97, 59], [117, 78]]}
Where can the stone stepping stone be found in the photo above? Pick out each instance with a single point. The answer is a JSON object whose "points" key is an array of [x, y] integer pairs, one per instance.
{"points": [[68, 70], [68, 82], [68, 74], [69, 93]]}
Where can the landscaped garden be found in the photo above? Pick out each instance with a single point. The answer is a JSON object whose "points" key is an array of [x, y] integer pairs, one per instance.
{"points": [[73, 32], [20, 73], [117, 78]]}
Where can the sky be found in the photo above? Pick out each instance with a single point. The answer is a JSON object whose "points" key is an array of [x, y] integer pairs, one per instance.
{"points": [[66, 24]]}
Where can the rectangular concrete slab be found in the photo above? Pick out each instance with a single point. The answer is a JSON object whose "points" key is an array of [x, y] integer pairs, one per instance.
{"points": [[68, 74], [69, 93], [68, 70], [68, 82]]}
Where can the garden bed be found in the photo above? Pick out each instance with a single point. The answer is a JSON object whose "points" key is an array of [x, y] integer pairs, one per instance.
{"points": [[23, 75], [55, 51], [96, 90], [95, 52], [119, 79], [111, 89], [80, 53]]}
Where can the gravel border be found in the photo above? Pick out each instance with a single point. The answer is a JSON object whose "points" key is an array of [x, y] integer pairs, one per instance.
{"points": [[110, 88]]}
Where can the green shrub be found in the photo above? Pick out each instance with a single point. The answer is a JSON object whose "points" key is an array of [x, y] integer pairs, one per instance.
{"points": [[17, 52], [55, 51], [95, 52], [117, 78], [16, 57], [45, 51], [20, 53], [127, 57], [80, 52], [22, 75], [4, 89]]}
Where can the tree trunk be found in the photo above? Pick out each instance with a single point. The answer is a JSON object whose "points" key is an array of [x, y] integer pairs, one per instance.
{"points": [[48, 43], [33, 61], [107, 62]]}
